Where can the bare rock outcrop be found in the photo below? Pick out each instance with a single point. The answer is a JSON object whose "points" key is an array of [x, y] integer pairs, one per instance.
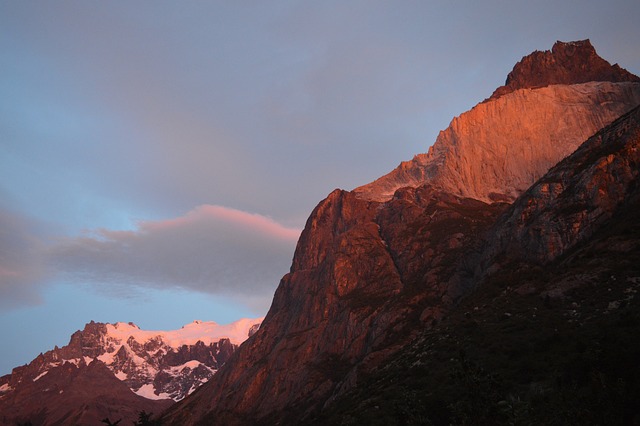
{"points": [[555, 307], [375, 267], [552, 101], [574, 199], [366, 276], [501, 147], [566, 63]]}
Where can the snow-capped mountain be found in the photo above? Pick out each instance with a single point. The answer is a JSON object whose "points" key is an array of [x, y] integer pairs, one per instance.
{"points": [[169, 364], [153, 364]]}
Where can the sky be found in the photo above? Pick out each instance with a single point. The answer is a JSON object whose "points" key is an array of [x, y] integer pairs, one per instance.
{"points": [[159, 159]]}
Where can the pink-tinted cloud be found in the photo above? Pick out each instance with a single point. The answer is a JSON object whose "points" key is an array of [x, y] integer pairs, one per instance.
{"points": [[259, 223], [211, 249]]}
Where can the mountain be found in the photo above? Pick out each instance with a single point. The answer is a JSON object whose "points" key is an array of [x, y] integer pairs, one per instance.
{"points": [[549, 334], [70, 394], [118, 370], [574, 62], [576, 198], [379, 268], [500, 147]]}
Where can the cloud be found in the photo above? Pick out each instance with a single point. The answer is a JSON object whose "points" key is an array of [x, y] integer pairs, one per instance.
{"points": [[211, 249], [22, 266]]}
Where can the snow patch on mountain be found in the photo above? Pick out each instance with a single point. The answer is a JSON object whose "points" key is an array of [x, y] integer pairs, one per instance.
{"points": [[206, 332], [40, 375], [147, 391]]}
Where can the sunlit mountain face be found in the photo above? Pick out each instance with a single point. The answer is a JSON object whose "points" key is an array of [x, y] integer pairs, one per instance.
{"points": [[495, 213]]}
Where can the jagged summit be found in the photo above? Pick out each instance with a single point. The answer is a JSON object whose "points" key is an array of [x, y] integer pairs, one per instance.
{"points": [[553, 101], [499, 148], [571, 62], [376, 266], [146, 365]]}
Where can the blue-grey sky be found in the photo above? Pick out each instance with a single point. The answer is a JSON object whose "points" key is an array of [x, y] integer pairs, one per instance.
{"points": [[158, 159]]}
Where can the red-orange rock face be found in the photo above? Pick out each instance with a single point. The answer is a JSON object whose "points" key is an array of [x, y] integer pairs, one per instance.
{"points": [[552, 102], [375, 266], [576, 197], [499, 148], [365, 274], [566, 63], [368, 276]]}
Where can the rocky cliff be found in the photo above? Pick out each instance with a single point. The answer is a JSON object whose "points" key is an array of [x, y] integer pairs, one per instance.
{"points": [[574, 62], [549, 333], [574, 199], [376, 267], [129, 369], [552, 102], [500, 147], [365, 277]]}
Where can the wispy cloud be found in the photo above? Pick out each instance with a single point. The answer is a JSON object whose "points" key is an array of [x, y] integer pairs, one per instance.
{"points": [[211, 249]]}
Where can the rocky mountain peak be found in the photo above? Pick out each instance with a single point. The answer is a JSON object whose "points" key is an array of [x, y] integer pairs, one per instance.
{"points": [[557, 279], [571, 62], [156, 366], [376, 266], [499, 148], [552, 102]]}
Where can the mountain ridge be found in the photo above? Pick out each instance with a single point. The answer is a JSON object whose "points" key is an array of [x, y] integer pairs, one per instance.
{"points": [[542, 339], [415, 269], [566, 63], [494, 151], [370, 274], [588, 187], [134, 365], [551, 102]]}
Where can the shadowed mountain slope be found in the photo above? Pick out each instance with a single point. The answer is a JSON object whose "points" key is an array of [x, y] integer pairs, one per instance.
{"points": [[549, 336], [71, 394], [116, 371], [376, 267]]}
